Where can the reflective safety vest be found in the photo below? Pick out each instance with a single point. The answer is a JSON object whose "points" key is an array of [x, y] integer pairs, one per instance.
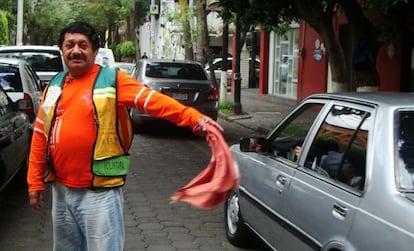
{"points": [[111, 160]]}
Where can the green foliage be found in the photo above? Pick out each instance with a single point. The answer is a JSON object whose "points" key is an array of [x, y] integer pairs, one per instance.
{"points": [[270, 15], [125, 49], [141, 10], [226, 107], [394, 16], [274, 15], [4, 28]]}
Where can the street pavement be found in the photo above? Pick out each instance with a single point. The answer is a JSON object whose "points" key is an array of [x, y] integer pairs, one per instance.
{"points": [[162, 162]]}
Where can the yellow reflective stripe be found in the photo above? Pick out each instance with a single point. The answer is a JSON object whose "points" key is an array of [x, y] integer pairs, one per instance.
{"points": [[147, 100], [104, 92]]}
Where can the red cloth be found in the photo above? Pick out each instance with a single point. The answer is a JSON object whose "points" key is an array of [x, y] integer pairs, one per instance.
{"points": [[209, 188]]}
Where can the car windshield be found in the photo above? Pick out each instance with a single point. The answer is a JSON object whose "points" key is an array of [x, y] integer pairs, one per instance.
{"points": [[40, 60], [10, 78], [175, 70], [405, 146]]}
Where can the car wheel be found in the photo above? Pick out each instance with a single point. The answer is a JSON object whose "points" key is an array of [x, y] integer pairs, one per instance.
{"points": [[237, 232]]}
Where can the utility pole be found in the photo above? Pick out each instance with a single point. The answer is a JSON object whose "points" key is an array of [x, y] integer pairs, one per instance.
{"points": [[237, 107], [154, 10], [225, 45], [19, 32]]}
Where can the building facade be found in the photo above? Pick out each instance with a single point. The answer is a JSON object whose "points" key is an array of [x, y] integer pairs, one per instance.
{"points": [[298, 64]]}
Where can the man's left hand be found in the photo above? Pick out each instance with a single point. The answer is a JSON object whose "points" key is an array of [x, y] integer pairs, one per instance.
{"points": [[202, 128]]}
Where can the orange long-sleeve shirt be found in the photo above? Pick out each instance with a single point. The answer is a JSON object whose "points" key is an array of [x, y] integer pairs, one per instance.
{"points": [[74, 132]]}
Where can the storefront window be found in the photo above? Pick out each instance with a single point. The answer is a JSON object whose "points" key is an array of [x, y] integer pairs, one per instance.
{"points": [[284, 77]]}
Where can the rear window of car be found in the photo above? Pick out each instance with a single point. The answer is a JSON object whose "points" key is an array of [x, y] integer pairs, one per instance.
{"points": [[40, 60], [175, 70], [10, 78], [405, 147]]}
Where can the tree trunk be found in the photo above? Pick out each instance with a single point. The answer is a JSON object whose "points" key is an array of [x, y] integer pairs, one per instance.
{"points": [[224, 49], [186, 38], [132, 31], [361, 28], [322, 23], [364, 74], [203, 48]]}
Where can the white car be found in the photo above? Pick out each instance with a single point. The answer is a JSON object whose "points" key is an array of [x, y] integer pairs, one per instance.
{"points": [[47, 61], [105, 57], [217, 67], [22, 84]]}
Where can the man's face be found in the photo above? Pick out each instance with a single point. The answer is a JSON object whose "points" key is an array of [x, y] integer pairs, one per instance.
{"points": [[78, 53]]}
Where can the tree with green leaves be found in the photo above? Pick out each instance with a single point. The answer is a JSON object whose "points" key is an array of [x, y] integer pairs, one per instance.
{"points": [[4, 28], [365, 32]]}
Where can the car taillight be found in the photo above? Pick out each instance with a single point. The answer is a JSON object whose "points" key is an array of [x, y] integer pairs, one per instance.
{"points": [[213, 95], [26, 105]]}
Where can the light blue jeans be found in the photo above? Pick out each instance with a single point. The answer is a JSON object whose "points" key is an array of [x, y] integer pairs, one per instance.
{"points": [[87, 220]]}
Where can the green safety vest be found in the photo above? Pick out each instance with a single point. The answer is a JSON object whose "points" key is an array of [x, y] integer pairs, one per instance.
{"points": [[111, 160]]}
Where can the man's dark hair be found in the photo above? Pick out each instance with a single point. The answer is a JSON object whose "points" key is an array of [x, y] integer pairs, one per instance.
{"points": [[82, 28]]}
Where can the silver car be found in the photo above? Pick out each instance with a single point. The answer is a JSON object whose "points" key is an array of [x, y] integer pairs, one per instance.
{"points": [[185, 81], [337, 173]]}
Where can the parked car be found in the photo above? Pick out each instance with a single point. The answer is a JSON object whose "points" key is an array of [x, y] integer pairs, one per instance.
{"points": [[186, 81], [21, 83], [337, 173], [47, 61], [15, 136], [105, 57], [126, 67], [217, 67]]}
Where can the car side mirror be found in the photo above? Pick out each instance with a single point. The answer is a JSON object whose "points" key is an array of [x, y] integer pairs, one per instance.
{"points": [[251, 144]]}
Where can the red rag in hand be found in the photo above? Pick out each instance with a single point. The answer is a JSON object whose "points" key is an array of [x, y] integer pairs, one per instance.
{"points": [[208, 189]]}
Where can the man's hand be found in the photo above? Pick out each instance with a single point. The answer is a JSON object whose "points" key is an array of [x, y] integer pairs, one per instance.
{"points": [[201, 128], [37, 198]]}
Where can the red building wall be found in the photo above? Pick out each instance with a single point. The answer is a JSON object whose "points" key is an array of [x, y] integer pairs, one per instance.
{"points": [[389, 66], [312, 74]]}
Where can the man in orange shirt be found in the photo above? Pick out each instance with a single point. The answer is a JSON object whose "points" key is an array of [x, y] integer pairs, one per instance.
{"points": [[81, 140]]}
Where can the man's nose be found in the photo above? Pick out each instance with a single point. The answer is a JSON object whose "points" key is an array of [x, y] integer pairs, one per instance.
{"points": [[76, 49]]}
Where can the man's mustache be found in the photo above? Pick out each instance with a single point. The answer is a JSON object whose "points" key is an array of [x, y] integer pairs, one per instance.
{"points": [[77, 57]]}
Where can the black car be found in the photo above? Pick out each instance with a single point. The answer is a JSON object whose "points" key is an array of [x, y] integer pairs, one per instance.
{"points": [[15, 136], [185, 81]]}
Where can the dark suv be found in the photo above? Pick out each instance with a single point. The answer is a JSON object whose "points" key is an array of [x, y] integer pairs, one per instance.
{"points": [[15, 136]]}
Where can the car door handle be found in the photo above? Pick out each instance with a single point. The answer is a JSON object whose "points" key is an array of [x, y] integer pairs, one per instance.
{"points": [[281, 180], [339, 211]]}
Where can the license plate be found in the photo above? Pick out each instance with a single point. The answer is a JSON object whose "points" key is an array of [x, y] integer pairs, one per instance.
{"points": [[179, 96]]}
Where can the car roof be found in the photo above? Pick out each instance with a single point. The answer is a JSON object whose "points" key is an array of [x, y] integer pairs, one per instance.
{"points": [[29, 48], [402, 99], [11, 61], [179, 61]]}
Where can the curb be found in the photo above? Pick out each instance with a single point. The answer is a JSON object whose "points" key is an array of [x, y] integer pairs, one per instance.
{"points": [[236, 119]]}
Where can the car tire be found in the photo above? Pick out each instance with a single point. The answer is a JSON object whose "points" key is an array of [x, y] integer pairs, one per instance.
{"points": [[237, 232]]}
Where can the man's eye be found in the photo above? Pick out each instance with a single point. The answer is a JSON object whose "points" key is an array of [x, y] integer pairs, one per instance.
{"points": [[69, 46]]}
